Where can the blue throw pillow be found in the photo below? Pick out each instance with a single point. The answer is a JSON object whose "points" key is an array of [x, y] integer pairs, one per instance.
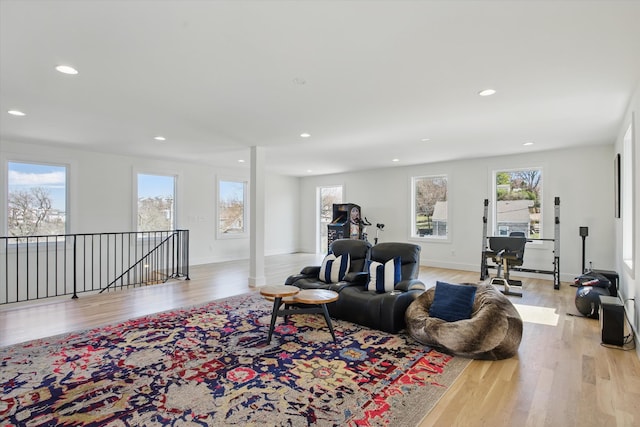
{"points": [[452, 302]]}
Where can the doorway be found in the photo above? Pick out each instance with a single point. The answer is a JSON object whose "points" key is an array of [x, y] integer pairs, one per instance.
{"points": [[327, 196]]}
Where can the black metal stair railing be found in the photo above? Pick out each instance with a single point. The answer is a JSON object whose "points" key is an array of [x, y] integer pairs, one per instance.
{"points": [[36, 267], [152, 268]]}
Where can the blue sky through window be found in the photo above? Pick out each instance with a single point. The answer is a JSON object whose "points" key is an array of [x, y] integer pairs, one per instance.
{"points": [[53, 178], [155, 186], [24, 176], [231, 190]]}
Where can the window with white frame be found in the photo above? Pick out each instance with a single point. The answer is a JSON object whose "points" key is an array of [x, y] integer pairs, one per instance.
{"points": [[37, 199], [627, 199], [518, 207], [232, 208], [430, 212], [156, 202]]}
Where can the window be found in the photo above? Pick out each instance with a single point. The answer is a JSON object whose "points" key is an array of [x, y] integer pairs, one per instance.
{"points": [[156, 202], [37, 199], [627, 199], [232, 208], [327, 196], [430, 211], [518, 195]]}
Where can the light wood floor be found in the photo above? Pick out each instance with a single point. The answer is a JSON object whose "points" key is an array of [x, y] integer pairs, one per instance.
{"points": [[562, 376]]}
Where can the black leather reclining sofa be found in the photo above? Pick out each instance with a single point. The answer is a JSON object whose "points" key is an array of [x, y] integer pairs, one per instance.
{"points": [[384, 311]]}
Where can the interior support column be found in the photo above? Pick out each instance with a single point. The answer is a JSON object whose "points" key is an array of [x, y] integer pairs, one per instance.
{"points": [[256, 215]]}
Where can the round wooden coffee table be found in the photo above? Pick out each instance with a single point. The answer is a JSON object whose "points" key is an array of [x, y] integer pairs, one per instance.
{"points": [[277, 292], [317, 298]]}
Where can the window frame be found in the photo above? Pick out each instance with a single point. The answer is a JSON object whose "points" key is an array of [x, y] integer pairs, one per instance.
{"points": [[495, 228], [627, 199], [245, 208], [413, 235], [175, 176], [4, 205]]}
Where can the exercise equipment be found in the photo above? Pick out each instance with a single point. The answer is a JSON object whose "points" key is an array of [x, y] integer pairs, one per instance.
{"points": [[601, 278], [507, 252], [612, 276], [365, 236], [588, 300], [488, 253], [379, 227], [591, 278], [591, 273], [365, 223]]}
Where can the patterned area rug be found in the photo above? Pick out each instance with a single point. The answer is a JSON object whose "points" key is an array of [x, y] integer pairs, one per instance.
{"points": [[210, 365]]}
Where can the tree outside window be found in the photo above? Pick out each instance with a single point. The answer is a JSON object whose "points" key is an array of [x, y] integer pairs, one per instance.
{"points": [[430, 211], [156, 202], [518, 202], [231, 207], [37, 199]]}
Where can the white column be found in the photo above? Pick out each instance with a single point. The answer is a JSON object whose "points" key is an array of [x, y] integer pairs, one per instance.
{"points": [[256, 215]]}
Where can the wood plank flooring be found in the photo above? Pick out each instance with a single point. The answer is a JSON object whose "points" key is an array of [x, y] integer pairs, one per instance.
{"points": [[562, 376]]}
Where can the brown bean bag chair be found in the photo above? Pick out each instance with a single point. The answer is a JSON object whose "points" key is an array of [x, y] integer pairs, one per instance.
{"points": [[493, 332]]}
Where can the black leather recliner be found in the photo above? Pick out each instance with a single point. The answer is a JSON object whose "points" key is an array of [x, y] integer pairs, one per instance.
{"points": [[359, 252], [383, 311]]}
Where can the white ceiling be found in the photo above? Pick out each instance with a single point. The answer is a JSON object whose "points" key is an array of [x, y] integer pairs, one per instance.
{"points": [[216, 77]]}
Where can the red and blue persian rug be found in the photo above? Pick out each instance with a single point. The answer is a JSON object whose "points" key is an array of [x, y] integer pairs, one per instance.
{"points": [[210, 366]]}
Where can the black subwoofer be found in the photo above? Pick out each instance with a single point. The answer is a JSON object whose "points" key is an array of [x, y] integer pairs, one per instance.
{"points": [[612, 320]]}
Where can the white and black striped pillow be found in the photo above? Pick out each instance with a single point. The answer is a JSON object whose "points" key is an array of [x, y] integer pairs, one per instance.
{"points": [[334, 268], [384, 277]]}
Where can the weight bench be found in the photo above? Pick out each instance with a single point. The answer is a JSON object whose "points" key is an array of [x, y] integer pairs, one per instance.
{"points": [[507, 252]]}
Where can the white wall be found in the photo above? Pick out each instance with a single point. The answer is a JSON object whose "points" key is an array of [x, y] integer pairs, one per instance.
{"points": [[282, 214], [102, 198], [102, 188], [582, 178], [629, 283]]}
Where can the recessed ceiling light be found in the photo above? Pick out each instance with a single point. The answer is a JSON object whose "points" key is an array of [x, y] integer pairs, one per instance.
{"points": [[487, 92], [527, 143], [395, 160], [305, 135], [16, 113], [159, 138], [240, 160], [309, 171], [66, 69], [425, 139]]}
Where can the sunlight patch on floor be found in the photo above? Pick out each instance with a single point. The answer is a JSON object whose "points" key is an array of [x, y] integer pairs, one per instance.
{"points": [[540, 315]]}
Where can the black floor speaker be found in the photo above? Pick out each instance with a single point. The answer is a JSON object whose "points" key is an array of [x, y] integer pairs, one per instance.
{"points": [[612, 320]]}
